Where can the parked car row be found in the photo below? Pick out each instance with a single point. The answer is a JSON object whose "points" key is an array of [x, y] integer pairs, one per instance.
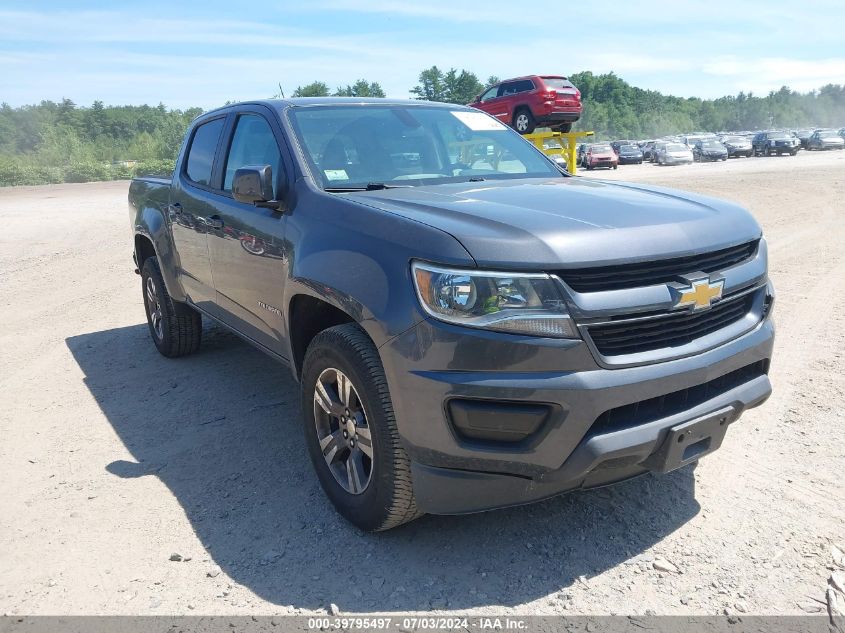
{"points": [[684, 149]]}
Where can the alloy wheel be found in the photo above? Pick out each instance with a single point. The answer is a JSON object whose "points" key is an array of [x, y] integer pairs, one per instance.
{"points": [[521, 122], [343, 431], [154, 308]]}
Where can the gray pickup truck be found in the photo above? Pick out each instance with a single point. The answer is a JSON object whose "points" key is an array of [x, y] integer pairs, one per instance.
{"points": [[472, 327]]}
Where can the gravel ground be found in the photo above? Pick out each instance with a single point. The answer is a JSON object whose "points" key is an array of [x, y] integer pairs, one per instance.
{"points": [[133, 484]]}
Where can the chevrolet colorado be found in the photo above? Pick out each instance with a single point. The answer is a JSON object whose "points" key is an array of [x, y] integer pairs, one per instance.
{"points": [[471, 326]]}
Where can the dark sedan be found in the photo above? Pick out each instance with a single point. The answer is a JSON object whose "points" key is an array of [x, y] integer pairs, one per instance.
{"points": [[826, 139], [704, 150], [737, 146], [630, 154]]}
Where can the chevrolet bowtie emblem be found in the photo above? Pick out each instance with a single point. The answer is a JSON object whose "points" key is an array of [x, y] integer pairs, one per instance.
{"points": [[700, 294]]}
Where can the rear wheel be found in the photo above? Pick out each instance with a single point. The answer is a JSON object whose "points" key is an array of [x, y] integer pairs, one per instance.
{"points": [[351, 433], [523, 121], [176, 328]]}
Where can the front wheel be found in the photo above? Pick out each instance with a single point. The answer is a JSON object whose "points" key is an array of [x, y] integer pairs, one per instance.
{"points": [[351, 433], [175, 327]]}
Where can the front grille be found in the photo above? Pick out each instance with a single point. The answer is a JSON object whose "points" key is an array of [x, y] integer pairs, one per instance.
{"points": [[671, 330], [646, 411], [654, 272]]}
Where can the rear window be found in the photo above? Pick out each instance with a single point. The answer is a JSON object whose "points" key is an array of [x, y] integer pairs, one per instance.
{"points": [[557, 82], [201, 154]]}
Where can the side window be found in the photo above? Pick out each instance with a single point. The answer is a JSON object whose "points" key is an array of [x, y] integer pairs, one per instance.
{"points": [[490, 94], [508, 89], [252, 144], [526, 85], [201, 153]]}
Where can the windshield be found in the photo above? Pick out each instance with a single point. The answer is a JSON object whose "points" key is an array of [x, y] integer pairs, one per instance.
{"points": [[828, 134], [350, 147], [711, 144], [628, 148], [601, 148], [779, 135], [733, 139], [676, 147]]}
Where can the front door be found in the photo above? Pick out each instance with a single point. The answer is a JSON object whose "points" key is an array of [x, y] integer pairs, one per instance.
{"points": [[248, 257]]}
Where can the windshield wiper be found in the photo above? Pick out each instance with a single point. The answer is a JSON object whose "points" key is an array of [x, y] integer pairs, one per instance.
{"points": [[371, 186]]}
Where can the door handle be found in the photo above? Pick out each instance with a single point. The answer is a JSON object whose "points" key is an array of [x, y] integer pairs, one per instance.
{"points": [[214, 222]]}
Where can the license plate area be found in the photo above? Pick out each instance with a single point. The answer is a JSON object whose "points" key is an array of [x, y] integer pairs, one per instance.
{"points": [[689, 441]]}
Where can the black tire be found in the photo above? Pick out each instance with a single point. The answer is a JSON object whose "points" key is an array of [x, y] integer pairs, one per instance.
{"points": [[615, 166], [176, 328], [386, 500], [523, 121], [565, 128]]}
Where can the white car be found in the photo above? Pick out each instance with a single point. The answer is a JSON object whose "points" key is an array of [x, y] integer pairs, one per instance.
{"points": [[674, 154]]}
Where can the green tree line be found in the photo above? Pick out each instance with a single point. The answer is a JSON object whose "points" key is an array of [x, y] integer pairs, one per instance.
{"points": [[62, 142]]}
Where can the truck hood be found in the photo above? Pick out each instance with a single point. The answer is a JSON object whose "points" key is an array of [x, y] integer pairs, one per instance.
{"points": [[568, 222]]}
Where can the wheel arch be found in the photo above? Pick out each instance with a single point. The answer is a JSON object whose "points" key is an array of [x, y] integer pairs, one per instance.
{"points": [[308, 315], [152, 238]]}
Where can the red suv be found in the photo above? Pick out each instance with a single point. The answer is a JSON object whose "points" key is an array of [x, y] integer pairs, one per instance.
{"points": [[525, 103]]}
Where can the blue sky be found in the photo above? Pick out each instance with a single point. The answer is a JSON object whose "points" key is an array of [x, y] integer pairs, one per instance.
{"points": [[205, 53]]}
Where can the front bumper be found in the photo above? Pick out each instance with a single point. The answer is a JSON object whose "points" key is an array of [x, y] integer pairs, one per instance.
{"points": [[434, 364]]}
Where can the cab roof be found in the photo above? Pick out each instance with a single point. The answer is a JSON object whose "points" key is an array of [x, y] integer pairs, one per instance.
{"points": [[294, 102]]}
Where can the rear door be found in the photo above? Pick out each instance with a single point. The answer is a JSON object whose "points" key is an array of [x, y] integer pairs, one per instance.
{"points": [[247, 247], [191, 204]]}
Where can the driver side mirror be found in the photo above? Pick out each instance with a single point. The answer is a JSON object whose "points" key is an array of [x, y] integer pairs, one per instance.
{"points": [[253, 184]]}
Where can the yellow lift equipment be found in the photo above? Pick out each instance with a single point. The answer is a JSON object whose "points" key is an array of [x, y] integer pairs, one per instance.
{"points": [[559, 144]]}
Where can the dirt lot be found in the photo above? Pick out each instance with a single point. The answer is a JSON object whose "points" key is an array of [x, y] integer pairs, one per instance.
{"points": [[114, 458]]}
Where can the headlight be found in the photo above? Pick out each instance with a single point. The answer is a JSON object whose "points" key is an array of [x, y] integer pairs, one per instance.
{"points": [[507, 302]]}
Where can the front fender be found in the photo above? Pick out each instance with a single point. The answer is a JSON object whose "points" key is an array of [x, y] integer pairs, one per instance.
{"points": [[357, 258]]}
